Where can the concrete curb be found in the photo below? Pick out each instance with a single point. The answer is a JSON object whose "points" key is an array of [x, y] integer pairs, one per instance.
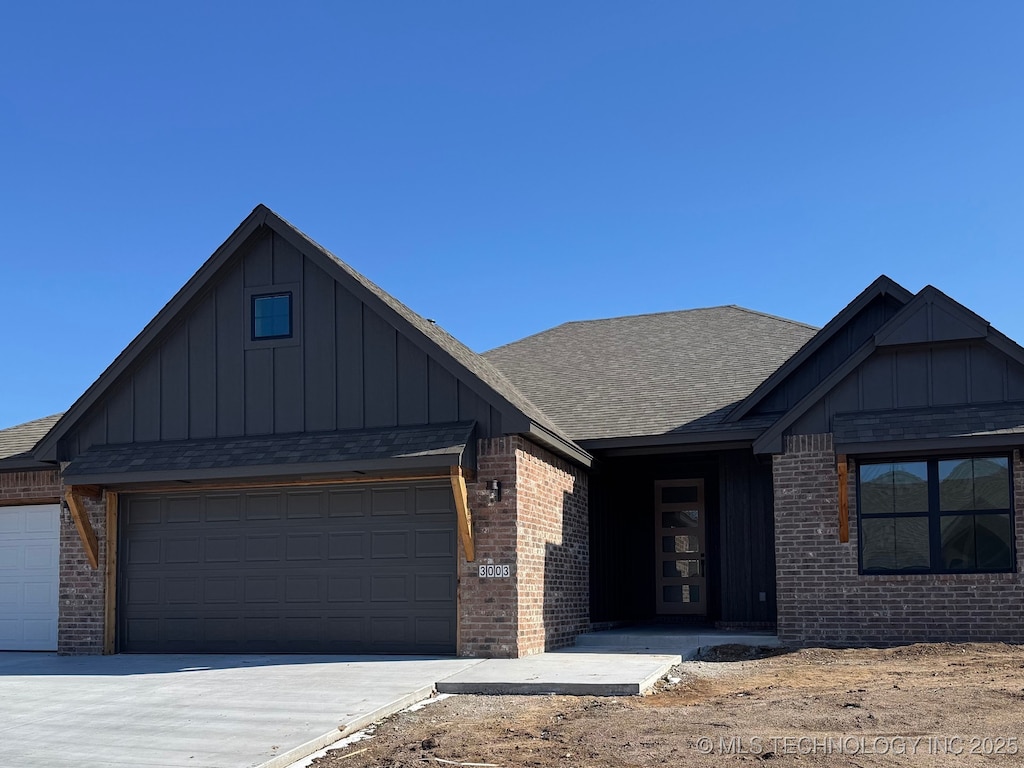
{"points": [[295, 754]]}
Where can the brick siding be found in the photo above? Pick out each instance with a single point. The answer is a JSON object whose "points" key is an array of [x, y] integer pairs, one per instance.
{"points": [[824, 600], [29, 487], [82, 588], [80, 623], [540, 528]]}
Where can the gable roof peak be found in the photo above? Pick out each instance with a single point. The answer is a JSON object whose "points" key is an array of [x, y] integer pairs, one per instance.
{"points": [[883, 285]]}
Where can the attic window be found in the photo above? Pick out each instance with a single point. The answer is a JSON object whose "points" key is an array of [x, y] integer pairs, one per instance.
{"points": [[272, 316]]}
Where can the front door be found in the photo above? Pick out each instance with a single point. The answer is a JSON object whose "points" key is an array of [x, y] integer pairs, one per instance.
{"points": [[679, 547]]}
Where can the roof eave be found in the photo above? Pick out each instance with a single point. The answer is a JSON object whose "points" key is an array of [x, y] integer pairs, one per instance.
{"points": [[269, 471]]}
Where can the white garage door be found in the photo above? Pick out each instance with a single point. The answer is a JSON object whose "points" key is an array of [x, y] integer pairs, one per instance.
{"points": [[29, 576]]}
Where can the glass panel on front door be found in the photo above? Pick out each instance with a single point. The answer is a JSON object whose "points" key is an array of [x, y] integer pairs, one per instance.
{"points": [[679, 547]]}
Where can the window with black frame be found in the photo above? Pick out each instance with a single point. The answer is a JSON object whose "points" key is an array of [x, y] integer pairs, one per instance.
{"points": [[936, 516]]}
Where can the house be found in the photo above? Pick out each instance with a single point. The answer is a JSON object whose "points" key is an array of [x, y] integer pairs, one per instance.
{"points": [[289, 459]]}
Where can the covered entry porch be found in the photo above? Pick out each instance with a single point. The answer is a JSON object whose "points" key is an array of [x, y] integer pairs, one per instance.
{"points": [[683, 538]]}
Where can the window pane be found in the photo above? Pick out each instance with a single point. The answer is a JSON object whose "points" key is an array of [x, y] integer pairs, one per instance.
{"points": [[966, 484], [685, 519], [271, 316], [895, 543], [894, 487], [912, 547], [991, 483], [679, 544], [681, 593], [878, 548], [679, 494], [958, 542], [992, 536], [677, 568], [876, 492], [910, 487]]}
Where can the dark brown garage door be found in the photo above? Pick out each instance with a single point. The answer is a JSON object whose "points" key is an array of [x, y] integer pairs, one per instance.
{"points": [[348, 569]]}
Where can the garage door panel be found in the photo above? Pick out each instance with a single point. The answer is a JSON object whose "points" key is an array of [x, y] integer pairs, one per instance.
{"points": [[301, 506], [345, 589], [346, 546], [433, 501], [304, 546], [182, 591], [439, 542], [224, 509], [263, 506], [389, 589], [435, 587], [335, 570], [143, 551], [223, 549], [182, 510], [302, 589], [144, 512], [181, 550], [386, 544], [223, 589], [143, 592], [265, 548], [433, 631], [393, 501]]}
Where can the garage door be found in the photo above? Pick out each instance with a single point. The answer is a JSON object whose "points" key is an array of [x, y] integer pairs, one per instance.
{"points": [[29, 577], [350, 569]]}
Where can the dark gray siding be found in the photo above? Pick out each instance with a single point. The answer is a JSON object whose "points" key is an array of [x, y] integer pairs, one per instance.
{"points": [[746, 540], [352, 369], [922, 376], [831, 355]]}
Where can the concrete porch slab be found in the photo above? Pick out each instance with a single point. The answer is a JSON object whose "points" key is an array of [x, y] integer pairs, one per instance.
{"points": [[572, 672], [688, 642]]}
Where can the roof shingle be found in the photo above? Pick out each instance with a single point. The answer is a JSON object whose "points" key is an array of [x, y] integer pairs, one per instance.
{"points": [[22, 438], [650, 374]]}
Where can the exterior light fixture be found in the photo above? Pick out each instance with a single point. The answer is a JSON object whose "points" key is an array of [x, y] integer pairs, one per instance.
{"points": [[494, 491]]}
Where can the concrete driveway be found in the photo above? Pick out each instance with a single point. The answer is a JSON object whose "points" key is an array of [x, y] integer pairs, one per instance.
{"points": [[197, 711]]}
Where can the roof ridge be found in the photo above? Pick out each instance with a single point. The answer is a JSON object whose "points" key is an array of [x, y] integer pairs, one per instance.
{"points": [[775, 317]]}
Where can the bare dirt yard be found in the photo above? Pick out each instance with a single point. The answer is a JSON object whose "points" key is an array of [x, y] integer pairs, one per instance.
{"points": [[922, 705]]}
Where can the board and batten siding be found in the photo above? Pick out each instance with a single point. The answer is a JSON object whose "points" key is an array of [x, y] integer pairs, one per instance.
{"points": [[351, 370], [932, 375], [831, 355]]}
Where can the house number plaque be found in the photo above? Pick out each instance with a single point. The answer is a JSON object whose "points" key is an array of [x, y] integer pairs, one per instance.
{"points": [[495, 571]]}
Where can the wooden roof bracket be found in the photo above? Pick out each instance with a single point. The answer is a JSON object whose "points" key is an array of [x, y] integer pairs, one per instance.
{"points": [[844, 498], [462, 512], [73, 496]]}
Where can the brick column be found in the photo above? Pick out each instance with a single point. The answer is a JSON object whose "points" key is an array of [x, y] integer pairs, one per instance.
{"points": [[540, 528]]}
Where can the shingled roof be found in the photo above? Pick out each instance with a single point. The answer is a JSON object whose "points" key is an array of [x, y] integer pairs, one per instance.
{"points": [[17, 442], [671, 372], [364, 450]]}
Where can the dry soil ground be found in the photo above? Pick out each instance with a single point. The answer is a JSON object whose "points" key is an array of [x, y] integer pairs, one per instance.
{"points": [[921, 705]]}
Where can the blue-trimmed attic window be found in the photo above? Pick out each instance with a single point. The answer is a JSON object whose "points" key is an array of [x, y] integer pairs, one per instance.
{"points": [[272, 316]]}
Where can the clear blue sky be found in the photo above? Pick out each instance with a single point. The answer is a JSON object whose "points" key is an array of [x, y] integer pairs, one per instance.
{"points": [[504, 167]]}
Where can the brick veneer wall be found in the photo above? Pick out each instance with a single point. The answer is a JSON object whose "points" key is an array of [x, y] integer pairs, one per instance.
{"points": [[80, 623], [540, 528], [29, 487], [822, 599], [82, 588]]}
